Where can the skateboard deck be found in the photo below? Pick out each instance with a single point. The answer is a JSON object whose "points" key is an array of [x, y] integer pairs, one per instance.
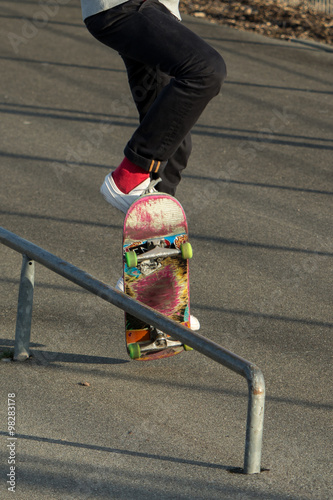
{"points": [[156, 272]]}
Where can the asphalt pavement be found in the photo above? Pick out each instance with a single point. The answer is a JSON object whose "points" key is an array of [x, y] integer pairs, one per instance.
{"points": [[90, 423]]}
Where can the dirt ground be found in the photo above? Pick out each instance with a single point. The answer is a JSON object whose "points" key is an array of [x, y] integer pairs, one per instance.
{"points": [[268, 17]]}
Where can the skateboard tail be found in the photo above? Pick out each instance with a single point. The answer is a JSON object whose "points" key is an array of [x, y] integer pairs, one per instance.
{"points": [[143, 334]]}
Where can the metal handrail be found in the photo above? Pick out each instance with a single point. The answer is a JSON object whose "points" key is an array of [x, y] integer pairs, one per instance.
{"points": [[253, 375]]}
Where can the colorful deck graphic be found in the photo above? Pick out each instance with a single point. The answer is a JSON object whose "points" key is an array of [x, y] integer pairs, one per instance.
{"points": [[155, 229]]}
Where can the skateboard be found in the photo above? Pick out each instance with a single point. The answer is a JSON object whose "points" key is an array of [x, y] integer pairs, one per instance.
{"points": [[156, 251]]}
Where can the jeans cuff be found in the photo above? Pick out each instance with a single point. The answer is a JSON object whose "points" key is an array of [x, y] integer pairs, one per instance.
{"points": [[151, 166]]}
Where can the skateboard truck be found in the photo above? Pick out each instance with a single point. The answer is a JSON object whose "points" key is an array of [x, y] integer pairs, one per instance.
{"points": [[157, 252], [158, 341]]}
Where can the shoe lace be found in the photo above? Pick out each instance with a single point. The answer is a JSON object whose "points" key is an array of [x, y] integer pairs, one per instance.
{"points": [[151, 186]]}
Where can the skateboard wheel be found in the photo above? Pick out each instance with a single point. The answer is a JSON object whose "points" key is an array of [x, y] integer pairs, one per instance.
{"points": [[134, 351], [188, 348], [186, 250], [131, 258]]}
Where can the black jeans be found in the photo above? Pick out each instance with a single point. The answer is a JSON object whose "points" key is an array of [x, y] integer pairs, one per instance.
{"points": [[172, 73]]}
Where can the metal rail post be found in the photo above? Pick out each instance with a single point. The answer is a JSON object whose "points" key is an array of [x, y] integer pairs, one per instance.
{"points": [[255, 422], [24, 309]]}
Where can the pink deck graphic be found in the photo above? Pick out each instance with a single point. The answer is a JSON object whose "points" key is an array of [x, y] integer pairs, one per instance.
{"points": [[154, 216], [164, 290]]}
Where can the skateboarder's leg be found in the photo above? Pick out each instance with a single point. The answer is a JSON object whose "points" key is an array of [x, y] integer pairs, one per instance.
{"points": [[146, 84], [149, 33], [171, 175]]}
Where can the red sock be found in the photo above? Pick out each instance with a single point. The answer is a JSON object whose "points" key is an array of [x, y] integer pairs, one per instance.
{"points": [[128, 175]]}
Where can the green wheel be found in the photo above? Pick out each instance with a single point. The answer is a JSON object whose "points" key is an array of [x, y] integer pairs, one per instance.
{"points": [[188, 348], [131, 258], [134, 351], [186, 249]]}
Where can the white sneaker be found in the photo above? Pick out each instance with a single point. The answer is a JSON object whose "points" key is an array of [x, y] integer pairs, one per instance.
{"points": [[120, 285], [117, 198], [194, 322]]}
